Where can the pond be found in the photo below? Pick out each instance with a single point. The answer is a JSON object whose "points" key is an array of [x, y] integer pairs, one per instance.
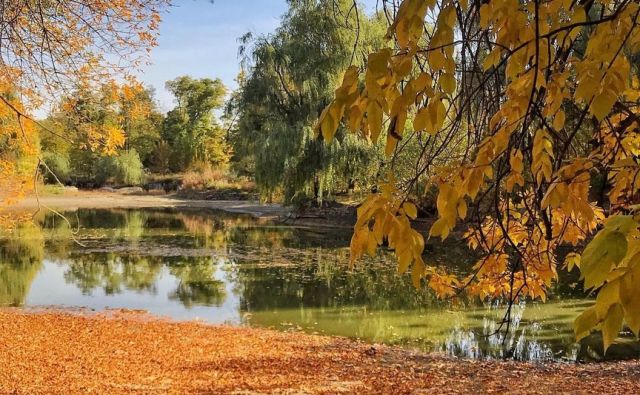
{"points": [[229, 268]]}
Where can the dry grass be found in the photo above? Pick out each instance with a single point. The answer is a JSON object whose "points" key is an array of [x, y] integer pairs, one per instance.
{"points": [[205, 177]]}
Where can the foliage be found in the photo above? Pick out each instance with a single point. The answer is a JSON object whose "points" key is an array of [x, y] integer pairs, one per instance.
{"points": [[49, 46], [287, 78], [500, 79], [58, 168], [48, 50], [191, 129], [159, 162], [98, 122], [202, 176], [18, 152], [123, 169]]}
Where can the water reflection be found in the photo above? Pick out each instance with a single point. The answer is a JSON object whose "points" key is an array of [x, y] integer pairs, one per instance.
{"points": [[232, 268], [197, 282], [112, 273], [20, 260]]}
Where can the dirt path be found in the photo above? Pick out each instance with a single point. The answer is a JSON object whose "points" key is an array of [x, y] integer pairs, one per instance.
{"points": [[98, 199], [130, 353]]}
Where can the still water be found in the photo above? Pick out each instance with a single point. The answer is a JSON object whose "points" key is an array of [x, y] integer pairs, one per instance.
{"points": [[229, 268]]}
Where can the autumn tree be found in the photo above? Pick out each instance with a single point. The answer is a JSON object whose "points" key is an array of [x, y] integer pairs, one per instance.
{"points": [[539, 98], [18, 151], [48, 47], [109, 132]]}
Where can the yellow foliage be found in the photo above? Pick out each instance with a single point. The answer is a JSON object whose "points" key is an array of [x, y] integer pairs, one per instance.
{"points": [[18, 154], [523, 159]]}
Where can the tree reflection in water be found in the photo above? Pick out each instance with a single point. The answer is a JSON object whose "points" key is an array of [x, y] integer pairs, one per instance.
{"points": [[280, 277], [113, 273], [20, 261]]}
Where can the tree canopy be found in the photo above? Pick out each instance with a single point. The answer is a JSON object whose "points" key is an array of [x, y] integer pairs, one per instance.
{"points": [[191, 128], [540, 98], [288, 77], [48, 49]]}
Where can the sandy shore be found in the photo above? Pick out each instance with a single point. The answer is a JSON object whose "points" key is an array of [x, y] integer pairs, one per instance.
{"points": [[99, 199], [132, 353]]}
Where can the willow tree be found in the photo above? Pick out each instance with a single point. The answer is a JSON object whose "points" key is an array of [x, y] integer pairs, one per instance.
{"points": [[521, 86], [289, 76]]}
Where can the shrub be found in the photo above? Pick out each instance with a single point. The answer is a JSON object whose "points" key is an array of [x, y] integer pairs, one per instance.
{"points": [[201, 176], [123, 169], [58, 165]]}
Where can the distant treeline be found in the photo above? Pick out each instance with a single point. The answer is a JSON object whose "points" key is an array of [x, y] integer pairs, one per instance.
{"points": [[264, 131], [159, 143]]}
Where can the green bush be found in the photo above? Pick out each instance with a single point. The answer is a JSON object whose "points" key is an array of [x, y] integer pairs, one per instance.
{"points": [[124, 169], [58, 165]]}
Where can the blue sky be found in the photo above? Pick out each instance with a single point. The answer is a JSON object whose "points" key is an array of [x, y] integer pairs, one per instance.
{"points": [[199, 38]]}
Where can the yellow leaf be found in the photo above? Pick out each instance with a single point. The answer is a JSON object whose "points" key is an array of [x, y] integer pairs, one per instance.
{"points": [[410, 209], [390, 147], [630, 296], [437, 115], [602, 104], [329, 122], [448, 16], [436, 60], [485, 15], [579, 15], [558, 121], [448, 83], [492, 59], [374, 117], [378, 61], [585, 322], [607, 296], [462, 209], [404, 260], [611, 325], [572, 260], [417, 271], [605, 250], [355, 119], [371, 244], [421, 120], [516, 161], [423, 82], [440, 228]]}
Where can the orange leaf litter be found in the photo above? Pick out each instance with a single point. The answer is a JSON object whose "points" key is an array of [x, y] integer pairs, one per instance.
{"points": [[131, 353]]}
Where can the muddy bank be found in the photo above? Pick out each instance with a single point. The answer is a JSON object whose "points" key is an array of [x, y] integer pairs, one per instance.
{"points": [[105, 200], [334, 216], [342, 216], [122, 353]]}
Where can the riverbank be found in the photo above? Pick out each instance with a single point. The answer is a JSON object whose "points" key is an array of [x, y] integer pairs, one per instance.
{"points": [[73, 200], [126, 352]]}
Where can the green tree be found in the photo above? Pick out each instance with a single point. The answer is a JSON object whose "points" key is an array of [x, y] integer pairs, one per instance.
{"points": [[191, 128], [290, 77]]}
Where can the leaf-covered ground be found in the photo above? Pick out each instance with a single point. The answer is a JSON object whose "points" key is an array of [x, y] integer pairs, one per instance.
{"points": [[62, 352]]}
